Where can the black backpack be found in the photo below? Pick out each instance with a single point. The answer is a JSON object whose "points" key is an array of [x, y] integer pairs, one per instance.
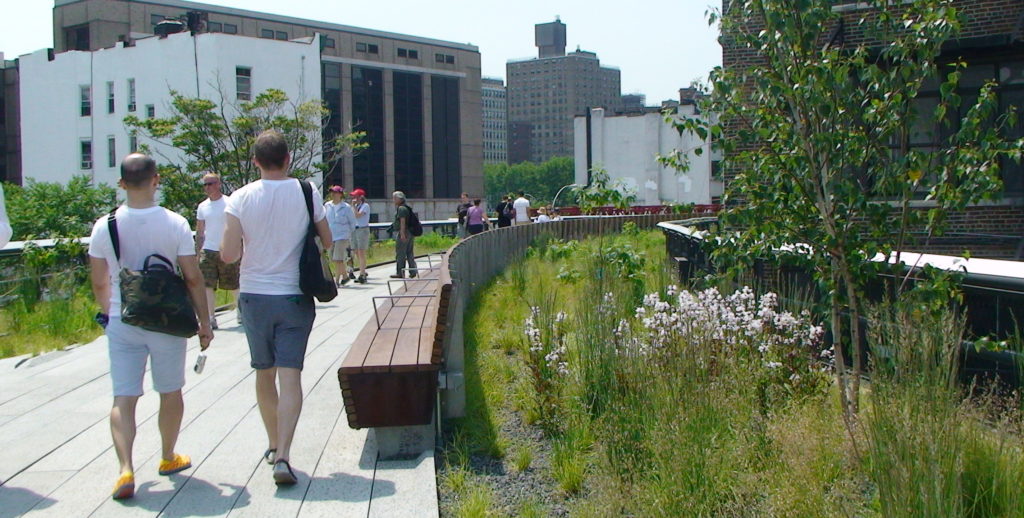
{"points": [[415, 227]]}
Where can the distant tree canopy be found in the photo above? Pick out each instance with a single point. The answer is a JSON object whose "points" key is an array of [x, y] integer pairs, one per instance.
{"points": [[219, 138], [44, 210], [540, 181]]}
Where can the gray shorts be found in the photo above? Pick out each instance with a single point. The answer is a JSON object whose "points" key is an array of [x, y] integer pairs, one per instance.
{"points": [[277, 328], [361, 238], [339, 251], [131, 347]]}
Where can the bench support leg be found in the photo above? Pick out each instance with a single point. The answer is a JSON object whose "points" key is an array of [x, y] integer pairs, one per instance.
{"points": [[404, 442]]}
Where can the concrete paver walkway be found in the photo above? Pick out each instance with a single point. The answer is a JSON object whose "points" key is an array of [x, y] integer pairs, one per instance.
{"points": [[58, 460]]}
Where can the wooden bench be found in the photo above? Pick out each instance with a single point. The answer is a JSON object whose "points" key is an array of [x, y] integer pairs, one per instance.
{"points": [[389, 376]]}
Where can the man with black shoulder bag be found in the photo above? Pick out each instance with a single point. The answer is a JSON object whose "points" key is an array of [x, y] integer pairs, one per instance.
{"points": [[148, 311], [275, 219]]}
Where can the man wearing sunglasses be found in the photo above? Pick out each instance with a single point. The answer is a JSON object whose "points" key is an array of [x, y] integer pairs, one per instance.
{"points": [[209, 231]]}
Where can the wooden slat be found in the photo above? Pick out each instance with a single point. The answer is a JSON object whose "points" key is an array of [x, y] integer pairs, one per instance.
{"points": [[406, 351], [356, 356], [426, 345]]}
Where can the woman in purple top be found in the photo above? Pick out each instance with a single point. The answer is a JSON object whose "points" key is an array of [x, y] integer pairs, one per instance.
{"points": [[475, 218]]}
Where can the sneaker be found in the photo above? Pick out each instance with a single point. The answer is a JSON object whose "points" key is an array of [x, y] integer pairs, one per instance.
{"points": [[397, 276], [124, 487], [412, 275], [213, 323], [361, 279], [344, 281], [351, 275], [179, 463]]}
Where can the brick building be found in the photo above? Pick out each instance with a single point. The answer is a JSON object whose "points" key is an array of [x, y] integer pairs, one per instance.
{"points": [[990, 41]]}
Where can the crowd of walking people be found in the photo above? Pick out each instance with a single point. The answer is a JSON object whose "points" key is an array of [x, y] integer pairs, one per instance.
{"points": [[249, 245]]}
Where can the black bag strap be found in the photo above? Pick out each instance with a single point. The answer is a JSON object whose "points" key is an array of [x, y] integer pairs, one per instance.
{"points": [[112, 227], [307, 192], [170, 265]]}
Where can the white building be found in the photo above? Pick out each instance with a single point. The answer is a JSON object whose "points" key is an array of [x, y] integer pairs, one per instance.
{"points": [[627, 147], [73, 103]]}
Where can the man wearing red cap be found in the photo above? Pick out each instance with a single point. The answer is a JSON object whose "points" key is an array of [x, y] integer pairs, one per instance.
{"points": [[361, 235]]}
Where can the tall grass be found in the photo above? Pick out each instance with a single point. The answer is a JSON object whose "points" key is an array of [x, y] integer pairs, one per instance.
{"points": [[731, 413]]}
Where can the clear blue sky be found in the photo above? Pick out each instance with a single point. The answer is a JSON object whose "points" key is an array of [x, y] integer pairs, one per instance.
{"points": [[660, 45]]}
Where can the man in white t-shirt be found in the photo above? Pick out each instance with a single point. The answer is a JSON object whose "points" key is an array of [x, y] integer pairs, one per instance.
{"points": [[522, 207], [144, 228], [209, 232], [269, 218]]}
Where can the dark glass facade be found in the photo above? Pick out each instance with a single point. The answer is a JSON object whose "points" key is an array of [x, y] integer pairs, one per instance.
{"points": [[446, 137], [407, 92], [369, 166], [332, 126]]}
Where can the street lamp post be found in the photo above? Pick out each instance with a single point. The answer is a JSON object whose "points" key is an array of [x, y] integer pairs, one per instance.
{"points": [[554, 202]]}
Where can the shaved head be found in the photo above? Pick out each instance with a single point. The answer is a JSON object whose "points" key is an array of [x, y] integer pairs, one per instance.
{"points": [[137, 169]]}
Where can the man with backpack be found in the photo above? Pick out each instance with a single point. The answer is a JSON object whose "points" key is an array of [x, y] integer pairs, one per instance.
{"points": [[269, 217], [127, 239], [407, 226], [505, 212]]}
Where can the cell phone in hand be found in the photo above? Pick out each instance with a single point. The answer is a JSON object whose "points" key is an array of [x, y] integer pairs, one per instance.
{"points": [[200, 363]]}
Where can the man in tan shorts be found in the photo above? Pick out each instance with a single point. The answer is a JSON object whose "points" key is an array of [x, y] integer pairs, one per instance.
{"points": [[209, 230]]}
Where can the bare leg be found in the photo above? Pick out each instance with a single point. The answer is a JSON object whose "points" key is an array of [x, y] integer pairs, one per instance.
{"points": [[339, 271], [361, 256], [288, 409], [266, 397], [122, 428], [172, 407]]}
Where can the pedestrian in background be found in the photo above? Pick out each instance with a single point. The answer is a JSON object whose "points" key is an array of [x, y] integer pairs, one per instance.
{"points": [[342, 221], [522, 208], [476, 218], [461, 212], [209, 232], [505, 212], [361, 235], [404, 254]]}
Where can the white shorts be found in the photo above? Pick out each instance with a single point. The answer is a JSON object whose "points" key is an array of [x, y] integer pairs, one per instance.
{"points": [[131, 346]]}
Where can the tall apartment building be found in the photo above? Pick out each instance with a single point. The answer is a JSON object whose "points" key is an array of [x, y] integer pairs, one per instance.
{"points": [[546, 92], [495, 121], [417, 98], [10, 127]]}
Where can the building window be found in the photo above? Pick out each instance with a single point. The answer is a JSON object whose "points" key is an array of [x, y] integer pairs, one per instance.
{"points": [[403, 53], [267, 33], [110, 97], [329, 43], [156, 18], [439, 57], [214, 27], [360, 47], [369, 48], [133, 143], [230, 28], [446, 137], [150, 111], [368, 115], [414, 54], [111, 152], [281, 35], [86, 96], [86, 152], [372, 49], [407, 95], [131, 95], [444, 58], [76, 38], [243, 83]]}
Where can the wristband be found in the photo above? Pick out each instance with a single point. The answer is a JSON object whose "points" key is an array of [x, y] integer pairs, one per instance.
{"points": [[102, 319]]}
